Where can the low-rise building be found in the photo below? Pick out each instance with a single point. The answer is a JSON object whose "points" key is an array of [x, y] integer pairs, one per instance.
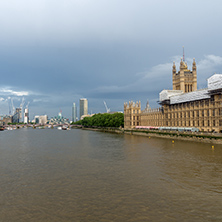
{"points": [[42, 120], [59, 120], [5, 120]]}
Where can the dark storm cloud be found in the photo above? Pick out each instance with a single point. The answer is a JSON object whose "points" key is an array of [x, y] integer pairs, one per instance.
{"points": [[55, 52]]}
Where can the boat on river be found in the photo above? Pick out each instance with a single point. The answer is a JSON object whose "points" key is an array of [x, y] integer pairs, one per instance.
{"points": [[2, 128], [9, 128], [64, 127]]}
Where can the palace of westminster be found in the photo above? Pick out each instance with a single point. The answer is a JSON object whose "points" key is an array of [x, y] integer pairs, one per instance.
{"points": [[184, 106]]}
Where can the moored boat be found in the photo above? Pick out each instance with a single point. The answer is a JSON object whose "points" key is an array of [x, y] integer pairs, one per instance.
{"points": [[64, 127], [9, 128], [2, 128]]}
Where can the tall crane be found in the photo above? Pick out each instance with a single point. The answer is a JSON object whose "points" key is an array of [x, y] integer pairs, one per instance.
{"points": [[9, 105], [13, 108], [107, 109], [21, 107], [27, 106], [22, 103]]}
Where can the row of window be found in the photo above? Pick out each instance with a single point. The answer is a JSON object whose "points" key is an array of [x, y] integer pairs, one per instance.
{"points": [[197, 123], [203, 123], [128, 111], [193, 123], [196, 113], [153, 117], [134, 118]]}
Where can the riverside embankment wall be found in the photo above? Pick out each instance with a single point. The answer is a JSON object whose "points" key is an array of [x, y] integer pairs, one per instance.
{"points": [[215, 138]]}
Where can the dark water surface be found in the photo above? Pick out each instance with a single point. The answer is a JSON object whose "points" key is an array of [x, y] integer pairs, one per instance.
{"points": [[77, 175]]}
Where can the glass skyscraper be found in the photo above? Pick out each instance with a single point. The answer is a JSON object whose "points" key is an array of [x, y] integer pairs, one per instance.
{"points": [[74, 112]]}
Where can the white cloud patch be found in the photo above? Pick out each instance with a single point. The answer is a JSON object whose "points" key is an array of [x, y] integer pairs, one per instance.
{"points": [[40, 100], [206, 67], [11, 92], [210, 63], [158, 71]]}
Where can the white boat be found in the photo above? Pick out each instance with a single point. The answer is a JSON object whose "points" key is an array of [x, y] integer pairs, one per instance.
{"points": [[64, 127], [9, 128]]}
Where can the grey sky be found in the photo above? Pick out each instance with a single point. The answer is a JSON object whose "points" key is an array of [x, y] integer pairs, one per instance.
{"points": [[55, 52]]}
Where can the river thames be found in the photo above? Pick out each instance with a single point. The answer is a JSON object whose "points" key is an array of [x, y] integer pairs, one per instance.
{"points": [[81, 175]]}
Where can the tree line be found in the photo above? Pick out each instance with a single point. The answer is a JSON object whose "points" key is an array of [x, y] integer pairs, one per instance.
{"points": [[103, 120]]}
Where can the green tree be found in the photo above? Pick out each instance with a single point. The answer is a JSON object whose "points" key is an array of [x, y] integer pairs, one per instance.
{"points": [[103, 120]]}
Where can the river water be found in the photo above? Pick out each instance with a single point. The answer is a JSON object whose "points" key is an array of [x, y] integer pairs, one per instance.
{"points": [[81, 175]]}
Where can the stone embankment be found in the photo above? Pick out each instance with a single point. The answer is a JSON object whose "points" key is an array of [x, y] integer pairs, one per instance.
{"points": [[215, 138]]}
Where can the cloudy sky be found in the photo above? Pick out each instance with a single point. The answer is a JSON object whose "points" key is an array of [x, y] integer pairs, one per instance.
{"points": [[53, 53]]}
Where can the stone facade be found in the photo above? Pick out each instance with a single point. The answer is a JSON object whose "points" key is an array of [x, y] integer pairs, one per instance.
{"points": [[184, 106], [132, 114], [205, 114]]}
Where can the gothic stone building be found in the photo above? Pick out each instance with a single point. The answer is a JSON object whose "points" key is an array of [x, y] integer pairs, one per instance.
{"points": [[184, 106]]}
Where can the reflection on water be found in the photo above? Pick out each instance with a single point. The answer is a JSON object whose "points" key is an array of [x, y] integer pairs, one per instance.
{"points": [[77, 175]]}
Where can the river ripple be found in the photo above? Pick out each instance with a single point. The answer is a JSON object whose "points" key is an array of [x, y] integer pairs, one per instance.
{"points": [[80, 175]]}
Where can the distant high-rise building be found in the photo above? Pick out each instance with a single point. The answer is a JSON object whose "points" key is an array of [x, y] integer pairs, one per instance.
{"points": [[74, 112], [83, 107], [17, 117], [26, 116], [19, 111], [42, 120]]}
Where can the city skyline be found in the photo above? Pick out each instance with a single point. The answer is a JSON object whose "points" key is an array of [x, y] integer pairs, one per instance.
{"points": [[54, 53]]}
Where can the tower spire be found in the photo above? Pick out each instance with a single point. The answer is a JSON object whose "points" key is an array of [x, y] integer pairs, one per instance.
{"points": [[183, 55]]}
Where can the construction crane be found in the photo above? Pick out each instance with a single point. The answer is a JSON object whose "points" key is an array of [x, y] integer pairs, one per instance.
{"points": [[27, 106], [21, 107], [13, 108], [107, 109], [22, 103], [9, 105]]}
